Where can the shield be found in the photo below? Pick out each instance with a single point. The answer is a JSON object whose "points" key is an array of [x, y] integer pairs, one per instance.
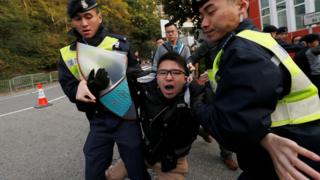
{"points": [[116, 97]]}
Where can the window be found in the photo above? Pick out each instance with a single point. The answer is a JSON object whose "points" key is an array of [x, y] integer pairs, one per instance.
{"points": [[300, 10], [298, 2], [317, 5], [264, 3], [265, 12], [266, 21], [281, 12]]}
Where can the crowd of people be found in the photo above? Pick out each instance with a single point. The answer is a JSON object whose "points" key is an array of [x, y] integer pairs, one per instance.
{"points": [[252, 98], [304, 50]]}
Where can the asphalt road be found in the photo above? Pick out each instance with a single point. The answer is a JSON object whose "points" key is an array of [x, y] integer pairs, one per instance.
{"points": [[46, 144]]}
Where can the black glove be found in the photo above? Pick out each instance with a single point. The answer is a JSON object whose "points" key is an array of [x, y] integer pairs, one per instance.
{"points": [[168, 163], [98, 82], [197, 94]]}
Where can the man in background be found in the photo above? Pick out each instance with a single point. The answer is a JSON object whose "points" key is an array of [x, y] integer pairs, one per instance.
{"points": [[271, 29], [308, 59], [173, 44]]}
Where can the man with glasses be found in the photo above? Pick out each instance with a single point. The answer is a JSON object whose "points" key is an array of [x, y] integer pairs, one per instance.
{"points": [[173, 44], [169, 128]]}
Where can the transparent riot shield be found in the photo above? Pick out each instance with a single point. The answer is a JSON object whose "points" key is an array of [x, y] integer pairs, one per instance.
{"points": [[116, 97]]}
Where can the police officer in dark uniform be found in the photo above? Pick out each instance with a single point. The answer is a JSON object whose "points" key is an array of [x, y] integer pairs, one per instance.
{"points": [[264, 109], [105, 127]]}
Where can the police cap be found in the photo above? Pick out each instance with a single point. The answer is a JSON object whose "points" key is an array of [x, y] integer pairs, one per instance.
{"points": [[76, 6], [196, 4]]}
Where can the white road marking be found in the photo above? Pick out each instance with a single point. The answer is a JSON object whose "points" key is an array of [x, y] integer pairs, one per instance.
{"points": [[57, 98], [24, 94], [25, 109]]}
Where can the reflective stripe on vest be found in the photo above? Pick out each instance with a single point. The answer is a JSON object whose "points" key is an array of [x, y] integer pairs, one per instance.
{"points": [[69, 56], [302, 104]]}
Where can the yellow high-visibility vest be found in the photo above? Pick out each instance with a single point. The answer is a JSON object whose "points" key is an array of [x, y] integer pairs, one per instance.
{"points": [[302, 104], [69, 56]]}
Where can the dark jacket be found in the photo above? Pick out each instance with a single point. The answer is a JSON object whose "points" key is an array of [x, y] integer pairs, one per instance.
{"points": [[69, 83], [301, 60], [249, 86], [290, 48], [168, 126], [308, 61], [204, 52]]}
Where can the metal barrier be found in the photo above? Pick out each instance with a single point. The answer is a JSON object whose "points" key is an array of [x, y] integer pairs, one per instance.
{"points": [[27, 81]]}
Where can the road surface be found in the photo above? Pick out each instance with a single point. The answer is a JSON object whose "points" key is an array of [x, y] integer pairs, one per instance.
{"points": [[46, 144]]}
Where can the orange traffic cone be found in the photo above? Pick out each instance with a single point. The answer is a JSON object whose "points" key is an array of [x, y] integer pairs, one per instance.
{"points": [[42, 100]]}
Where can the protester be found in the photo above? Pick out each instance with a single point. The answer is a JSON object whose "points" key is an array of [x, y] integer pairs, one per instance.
{"points": [[105, 127], [168, 126], [255, 83]]}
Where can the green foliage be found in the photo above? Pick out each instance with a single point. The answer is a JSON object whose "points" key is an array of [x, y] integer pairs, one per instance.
{"points": [[145, 26], [180, 11], [33, 31], [26, 43]]}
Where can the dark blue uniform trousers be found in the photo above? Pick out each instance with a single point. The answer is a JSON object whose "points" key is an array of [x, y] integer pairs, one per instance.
{"points": [[98, 149]]}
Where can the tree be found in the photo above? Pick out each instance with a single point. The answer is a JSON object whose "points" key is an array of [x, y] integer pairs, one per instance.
{"points": [[145, 25], [33, 31], [116, 16], [180, 11]]}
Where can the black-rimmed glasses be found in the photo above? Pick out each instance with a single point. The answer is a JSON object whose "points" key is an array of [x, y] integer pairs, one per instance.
{"points": [[172, 72]]}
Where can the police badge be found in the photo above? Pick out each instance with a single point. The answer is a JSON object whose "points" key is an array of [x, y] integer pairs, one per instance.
{"points": [[84, 4]]}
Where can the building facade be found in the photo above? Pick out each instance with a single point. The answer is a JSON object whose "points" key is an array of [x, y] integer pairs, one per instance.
{"points": [[289, 13]]}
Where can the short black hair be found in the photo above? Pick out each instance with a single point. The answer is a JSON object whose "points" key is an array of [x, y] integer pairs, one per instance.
{"points": [[309, 38], [170, 24], [282, 29], [175, 57], [270, 29]]}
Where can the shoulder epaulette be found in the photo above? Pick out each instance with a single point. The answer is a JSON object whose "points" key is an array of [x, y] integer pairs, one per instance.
{"points": [[118, 36]]}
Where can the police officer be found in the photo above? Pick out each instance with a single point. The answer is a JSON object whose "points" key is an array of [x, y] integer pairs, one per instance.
{"points": [[105, 127], [264, 106]]}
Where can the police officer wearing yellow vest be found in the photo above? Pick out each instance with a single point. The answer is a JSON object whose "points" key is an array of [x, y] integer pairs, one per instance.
{"points": [[264, 109], [105, 127]]}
